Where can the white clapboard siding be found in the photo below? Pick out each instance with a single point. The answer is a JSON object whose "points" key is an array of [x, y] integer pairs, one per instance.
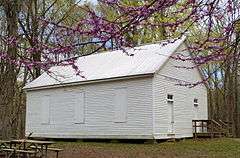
{"points": [[120, 105], [45, 109], [165, 82], [79, 107], [99, 111]]}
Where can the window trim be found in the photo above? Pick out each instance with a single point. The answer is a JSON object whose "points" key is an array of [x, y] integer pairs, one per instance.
{"points": [[170, 100], [195, 102]]}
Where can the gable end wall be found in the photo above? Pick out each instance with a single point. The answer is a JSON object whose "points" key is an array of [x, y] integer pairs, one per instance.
{"points": [[164, 83]]}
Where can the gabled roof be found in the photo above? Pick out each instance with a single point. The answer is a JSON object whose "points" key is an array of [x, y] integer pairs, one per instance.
{"points": [[144, 60]]}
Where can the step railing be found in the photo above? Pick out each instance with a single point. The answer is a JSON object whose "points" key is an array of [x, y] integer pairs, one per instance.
{"points": [[227, 126], [209, 127], [200, 126]]}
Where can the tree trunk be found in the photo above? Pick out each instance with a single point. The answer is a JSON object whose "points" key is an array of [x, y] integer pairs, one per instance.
{"points": [[9, 75], [33, 10]]}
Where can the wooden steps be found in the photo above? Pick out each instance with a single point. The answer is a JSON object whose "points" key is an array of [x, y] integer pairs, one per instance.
{"points": [[210, 129]]}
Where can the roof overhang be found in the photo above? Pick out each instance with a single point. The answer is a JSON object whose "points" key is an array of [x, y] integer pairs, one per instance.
{"points": [[89, 82]]}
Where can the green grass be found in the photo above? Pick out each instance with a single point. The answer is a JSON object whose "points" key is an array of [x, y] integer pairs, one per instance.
{"points": [[215, 148]]}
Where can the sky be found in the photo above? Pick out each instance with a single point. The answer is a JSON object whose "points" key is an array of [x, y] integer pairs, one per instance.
{"points": [[92, 1]]}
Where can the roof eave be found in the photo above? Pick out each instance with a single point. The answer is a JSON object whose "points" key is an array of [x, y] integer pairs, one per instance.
{"points": [[89, 82]]}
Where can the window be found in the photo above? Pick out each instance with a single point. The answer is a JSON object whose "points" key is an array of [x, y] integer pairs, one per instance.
{"points": [[170, 98], [195, 102], [45, 110], [79, 108], [120, 105]]}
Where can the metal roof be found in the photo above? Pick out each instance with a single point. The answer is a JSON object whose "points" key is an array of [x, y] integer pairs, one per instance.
{"points": [[145, 59]]}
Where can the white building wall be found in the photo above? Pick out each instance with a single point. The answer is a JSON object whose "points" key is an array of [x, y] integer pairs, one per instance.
{"points": [[147, 111], [99, 111], [164, 83]]}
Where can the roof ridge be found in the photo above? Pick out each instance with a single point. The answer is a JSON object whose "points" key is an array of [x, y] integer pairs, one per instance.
{"points": [[140, 45]]}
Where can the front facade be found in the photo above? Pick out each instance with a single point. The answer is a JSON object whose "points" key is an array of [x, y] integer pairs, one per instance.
{"points": [[187, 104], [146, 106]]}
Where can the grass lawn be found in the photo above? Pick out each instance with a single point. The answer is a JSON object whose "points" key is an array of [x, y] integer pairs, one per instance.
{"points": [[215, 148]]}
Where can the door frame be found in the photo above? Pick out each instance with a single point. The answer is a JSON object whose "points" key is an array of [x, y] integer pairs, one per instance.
{"points": [[171, 122]]}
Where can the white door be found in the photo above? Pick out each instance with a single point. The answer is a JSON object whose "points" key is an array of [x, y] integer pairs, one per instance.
{"points": [[195, 113], [195, 117], [171, 117]]}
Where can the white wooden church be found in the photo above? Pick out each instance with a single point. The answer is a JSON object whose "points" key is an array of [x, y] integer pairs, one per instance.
{"points": [[121, 96]]}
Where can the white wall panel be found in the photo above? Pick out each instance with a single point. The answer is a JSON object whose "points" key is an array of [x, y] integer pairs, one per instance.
{"points": [[45, 109], [79, 112], [120, 105], [99, 111]]}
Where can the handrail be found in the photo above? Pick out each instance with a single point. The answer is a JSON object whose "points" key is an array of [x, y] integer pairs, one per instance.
{"points": [[210, 127], [215, 122], [223, 123], [227, 128]]}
